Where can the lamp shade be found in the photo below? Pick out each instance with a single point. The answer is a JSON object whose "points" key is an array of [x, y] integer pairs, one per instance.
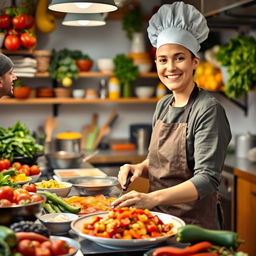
{"points": [[83, 6], [84, 19]]}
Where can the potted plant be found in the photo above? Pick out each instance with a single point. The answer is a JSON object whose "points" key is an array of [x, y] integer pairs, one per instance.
{"points": [[20, 91], [126, 72], [83, 61], [239, 58], [63, 67]]}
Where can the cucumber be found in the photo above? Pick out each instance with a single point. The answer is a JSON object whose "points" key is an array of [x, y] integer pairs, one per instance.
{"points": [[8, 236], [4, 248], [11, 172]]}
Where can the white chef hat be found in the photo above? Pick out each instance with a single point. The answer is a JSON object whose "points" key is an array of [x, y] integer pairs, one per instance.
{"points": [[178, 23]]}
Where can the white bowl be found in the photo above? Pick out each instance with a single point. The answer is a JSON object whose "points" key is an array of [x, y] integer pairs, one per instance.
{"points": [[35, 177], [78, 93], [144, 67], [58, 191], [106, 65], [53, 223], [144, 91]]}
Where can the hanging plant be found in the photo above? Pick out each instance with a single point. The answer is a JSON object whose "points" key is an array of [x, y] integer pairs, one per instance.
{"points": [[239, 58]]}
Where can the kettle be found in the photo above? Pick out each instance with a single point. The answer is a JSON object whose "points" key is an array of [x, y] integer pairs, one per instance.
{"points": [[244, 142]]}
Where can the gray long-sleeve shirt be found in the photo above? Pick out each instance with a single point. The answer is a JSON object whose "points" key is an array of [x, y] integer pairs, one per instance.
{"points": [[208, 136]]}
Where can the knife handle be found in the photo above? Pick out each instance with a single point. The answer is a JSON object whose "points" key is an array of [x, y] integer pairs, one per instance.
{"points": [[128, 181]]}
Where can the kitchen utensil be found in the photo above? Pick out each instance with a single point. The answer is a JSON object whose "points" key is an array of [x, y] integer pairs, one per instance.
{"points": [[68, 145], [142, 140], [244, 142], [105, 129], [49, 127], [91, 155], [126, 185]]}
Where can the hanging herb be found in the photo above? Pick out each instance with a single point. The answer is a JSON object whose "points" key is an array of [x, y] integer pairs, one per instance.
{"points": [[239, 56], [132, 21]]}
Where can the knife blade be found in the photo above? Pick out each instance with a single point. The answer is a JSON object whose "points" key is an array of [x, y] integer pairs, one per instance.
{"points": [[126, 185]]}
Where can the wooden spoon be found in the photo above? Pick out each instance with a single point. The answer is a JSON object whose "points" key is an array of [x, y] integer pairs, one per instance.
{"points": [[49, 127]]}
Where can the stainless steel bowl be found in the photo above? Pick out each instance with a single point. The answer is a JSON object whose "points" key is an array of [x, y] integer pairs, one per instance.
{"points": [[64, 160], [94, 185]]}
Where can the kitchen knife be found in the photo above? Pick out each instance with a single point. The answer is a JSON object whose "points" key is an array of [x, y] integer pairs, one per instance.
{"points": [[126, 185]]}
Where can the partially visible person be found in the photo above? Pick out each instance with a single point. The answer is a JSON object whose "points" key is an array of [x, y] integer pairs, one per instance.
{"points": [[7, 77]]}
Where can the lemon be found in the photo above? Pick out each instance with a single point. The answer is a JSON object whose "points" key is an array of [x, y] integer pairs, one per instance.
{"points": [[67, 82]]}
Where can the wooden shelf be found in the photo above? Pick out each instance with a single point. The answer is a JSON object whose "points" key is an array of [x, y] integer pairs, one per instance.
{"points": [[39, 101], [100, 74]]}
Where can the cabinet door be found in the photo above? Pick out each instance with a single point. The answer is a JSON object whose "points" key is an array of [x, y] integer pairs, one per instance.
{"points": [[246, 212]]}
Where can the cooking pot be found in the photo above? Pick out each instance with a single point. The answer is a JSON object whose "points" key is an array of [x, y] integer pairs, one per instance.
{"points": [[244, 142], [69, 145]]}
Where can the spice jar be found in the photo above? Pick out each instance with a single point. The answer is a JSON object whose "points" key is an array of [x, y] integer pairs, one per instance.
{"points": [[114, 88]]}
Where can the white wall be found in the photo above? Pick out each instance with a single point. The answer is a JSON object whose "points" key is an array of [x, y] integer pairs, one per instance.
{"points": [[99, 42]]}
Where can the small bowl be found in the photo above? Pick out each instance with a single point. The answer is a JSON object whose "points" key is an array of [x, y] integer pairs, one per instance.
{"points": [[17, 213], [70, 241], [58, 191], [144, 91], [144, 67], [57, 227], [34, 178], [105, 65], [27, 160], [78, 93], [62, 92], [84, 65], [23, 181], [94, 185]]}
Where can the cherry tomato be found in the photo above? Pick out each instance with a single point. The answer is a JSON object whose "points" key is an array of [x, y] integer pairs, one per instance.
{"points": [[27, 40], [26, 171], [19, 21], [6, 192], [60, 247], [29, 20], [13, 32], [23, 198], [34, 169], [29, 187], [47, 244], [12, 43], [27, 247], [5, 21], [16, 165], [7, 163], [36, 198], [42, 251], [17, 192], [5, 203], [25, 166]]}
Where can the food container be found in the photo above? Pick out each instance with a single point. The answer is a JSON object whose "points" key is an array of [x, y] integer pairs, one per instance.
{"points": [[68, 141], [244, 142], [64, 160]]}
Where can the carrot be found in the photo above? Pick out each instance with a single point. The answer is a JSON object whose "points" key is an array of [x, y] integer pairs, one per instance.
{"points": [[31, 236], [190, 250]]}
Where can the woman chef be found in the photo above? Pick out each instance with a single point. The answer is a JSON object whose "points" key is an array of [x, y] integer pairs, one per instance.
{"points": [[190, 128]]}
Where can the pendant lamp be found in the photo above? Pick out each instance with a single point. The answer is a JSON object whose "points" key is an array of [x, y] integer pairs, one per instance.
{"points": [[83, 6], [84, 19]]}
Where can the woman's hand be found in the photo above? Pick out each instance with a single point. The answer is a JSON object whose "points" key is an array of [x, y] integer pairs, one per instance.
{"points": [[135, 169], [135, 199]]}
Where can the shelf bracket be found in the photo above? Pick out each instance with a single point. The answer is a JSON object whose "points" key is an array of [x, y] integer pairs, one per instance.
{"points": [[243, 106], [55, 110]]}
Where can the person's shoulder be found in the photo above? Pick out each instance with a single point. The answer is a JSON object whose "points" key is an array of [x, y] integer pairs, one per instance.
{"points": [[164, 101], [206, 100]]}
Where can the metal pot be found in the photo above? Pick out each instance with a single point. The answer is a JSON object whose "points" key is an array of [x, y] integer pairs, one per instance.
{"points": [[69, 145], [244, 142], [64, 160]]}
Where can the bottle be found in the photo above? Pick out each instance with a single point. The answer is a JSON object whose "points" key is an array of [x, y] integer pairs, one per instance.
{"points": [[160, 90], [103, 89], [114, 88]]}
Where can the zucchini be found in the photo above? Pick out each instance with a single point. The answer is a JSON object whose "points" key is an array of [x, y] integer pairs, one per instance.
{"points": [[8, 236], [4, 248], [58, 201], [194, 234]]}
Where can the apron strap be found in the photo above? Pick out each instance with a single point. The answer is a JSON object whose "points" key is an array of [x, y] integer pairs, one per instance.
{"points": [[190, 104]]}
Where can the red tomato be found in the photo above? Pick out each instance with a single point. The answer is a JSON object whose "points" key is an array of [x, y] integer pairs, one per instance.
{"points": [[19, 21], [47, 244], [23, 198], [27, 247], [29, 187], [60, 247], [12, 43], [16, 165], [2, 164], [34, 169], [6, 192], [5, 203], [7, 163], [17, 192], [27, 40], [25, 166], [5, 21], [27, 172], [36, 198], [29, 20], [42, 251], [13, 32]]}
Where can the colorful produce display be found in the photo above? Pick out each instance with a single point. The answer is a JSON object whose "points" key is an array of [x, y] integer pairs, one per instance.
{"points": [[128, 223]]}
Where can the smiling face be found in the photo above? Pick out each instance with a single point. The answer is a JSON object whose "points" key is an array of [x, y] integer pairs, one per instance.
{"points": [[175, 65], [6, 83]]}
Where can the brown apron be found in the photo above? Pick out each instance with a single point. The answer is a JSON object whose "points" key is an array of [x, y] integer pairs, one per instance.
{"points": [[168, 167]]}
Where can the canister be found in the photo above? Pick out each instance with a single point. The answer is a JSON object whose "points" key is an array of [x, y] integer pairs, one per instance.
{"points": [[244, 142]]}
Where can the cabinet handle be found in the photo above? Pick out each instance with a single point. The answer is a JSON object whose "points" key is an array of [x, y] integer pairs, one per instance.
{"points": [[253, 193]]}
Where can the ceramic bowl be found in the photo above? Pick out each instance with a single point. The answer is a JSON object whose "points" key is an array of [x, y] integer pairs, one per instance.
{"points": [[78, 93], [62, 192], [105, 65], [34, 178], [58, 223], [144, 91]]}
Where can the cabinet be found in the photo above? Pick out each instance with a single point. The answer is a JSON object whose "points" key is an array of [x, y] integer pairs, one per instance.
{"points": [[246, 212]]}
